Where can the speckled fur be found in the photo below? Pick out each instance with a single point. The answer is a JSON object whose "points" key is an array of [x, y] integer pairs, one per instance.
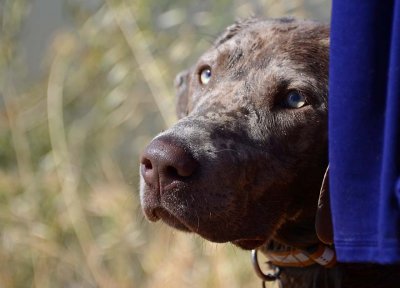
{"points": [[261, 163]]}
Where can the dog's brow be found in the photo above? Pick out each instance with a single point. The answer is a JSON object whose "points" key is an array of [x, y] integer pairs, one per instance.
{"points": [[234, 57]]}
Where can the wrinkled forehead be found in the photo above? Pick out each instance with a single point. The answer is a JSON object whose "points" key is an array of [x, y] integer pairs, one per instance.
{"points": [[264, 42], [242, 44]]}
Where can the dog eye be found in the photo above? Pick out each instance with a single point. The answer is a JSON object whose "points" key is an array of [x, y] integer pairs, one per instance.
{"points": [[295, 100], [205, 75]]}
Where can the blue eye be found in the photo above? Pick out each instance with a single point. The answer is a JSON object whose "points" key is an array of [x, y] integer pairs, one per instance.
{"points": [[205, 75], [295, 100]]}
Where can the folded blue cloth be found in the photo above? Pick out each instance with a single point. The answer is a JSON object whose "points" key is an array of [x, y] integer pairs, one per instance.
{"points": [[364, 130]]}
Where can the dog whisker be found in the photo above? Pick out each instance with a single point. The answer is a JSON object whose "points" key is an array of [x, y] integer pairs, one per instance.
{"points": [[226, 150]]}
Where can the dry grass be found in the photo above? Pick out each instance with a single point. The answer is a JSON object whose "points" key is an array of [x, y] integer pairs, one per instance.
{"points": [[69, 145]]}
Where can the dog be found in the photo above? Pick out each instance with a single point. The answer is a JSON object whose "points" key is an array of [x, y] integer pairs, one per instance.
{"points": [[245, 162]]}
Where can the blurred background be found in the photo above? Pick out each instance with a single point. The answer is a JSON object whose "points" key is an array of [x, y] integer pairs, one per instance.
{"points": [[84, 86]]}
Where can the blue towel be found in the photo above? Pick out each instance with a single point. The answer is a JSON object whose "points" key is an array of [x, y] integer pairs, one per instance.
{"points": [[364, 130]]}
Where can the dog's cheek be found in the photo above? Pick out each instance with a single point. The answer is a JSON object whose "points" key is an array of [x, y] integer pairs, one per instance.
{"points": [[311, 134]]}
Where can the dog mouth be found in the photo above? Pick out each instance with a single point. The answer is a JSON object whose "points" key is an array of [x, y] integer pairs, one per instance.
{"points": [[171, 220], [218, 236], [249, 244]]}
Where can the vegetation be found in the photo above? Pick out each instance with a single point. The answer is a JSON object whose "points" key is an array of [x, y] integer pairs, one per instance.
{"points": [[69, 144]]}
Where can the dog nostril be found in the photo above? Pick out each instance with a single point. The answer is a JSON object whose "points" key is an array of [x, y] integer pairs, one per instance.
{"points": [[147, 164], [179, 172], [147, 171], [165, 161], [172, 172]]}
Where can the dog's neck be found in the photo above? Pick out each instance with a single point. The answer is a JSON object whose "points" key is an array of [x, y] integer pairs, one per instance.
{"points": [[296, 246], [299, 227], [299, 233]]}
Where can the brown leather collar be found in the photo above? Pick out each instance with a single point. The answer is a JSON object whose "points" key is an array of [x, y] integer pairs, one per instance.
{"points": [[321, 254]]}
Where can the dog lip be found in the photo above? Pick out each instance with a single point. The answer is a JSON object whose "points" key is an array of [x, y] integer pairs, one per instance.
{"points": [[171, 219], [249, 244], [151, 214]]}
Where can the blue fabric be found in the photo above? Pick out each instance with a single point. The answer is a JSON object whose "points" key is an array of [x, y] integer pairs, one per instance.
{"points": [[364, 130]]}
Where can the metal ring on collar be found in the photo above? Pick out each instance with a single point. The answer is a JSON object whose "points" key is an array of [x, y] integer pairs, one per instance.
{"points": [[260, 273]]}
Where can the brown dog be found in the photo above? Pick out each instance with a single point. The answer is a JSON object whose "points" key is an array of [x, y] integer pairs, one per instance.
{"points": [[246, 160]]}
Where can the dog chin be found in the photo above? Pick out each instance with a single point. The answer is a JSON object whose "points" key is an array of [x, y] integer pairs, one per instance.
{"points": [[249, 244], [245, 244], [181, 225], [172, 221]]}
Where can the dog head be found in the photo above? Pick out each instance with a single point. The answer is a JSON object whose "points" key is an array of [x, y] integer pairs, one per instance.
{"points": [[245, 161]]}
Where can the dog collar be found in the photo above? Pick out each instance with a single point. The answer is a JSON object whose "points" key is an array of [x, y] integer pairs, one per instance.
{"points": [[320, 254], [281, 256]]}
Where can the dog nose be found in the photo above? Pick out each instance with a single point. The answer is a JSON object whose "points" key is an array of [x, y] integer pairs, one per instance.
{"points": [[165, 161]]}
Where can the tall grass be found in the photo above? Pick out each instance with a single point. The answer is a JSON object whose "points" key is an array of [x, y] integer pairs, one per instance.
{"points": [[69, 145]]}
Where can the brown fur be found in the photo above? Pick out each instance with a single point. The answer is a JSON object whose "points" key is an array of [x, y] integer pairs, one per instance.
{"points": [[256, 165]]}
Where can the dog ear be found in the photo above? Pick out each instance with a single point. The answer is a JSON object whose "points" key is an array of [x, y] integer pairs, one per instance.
{"points": [[182, 93], [323, 219]]}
